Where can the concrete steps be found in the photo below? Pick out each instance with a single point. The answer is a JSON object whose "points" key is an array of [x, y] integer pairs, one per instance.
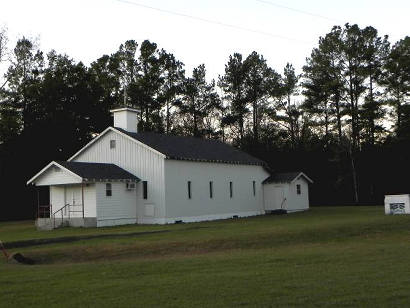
{"points": [[50, 223]]}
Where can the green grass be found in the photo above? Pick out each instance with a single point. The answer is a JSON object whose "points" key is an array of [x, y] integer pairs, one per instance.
{"points": [[339, 256]]}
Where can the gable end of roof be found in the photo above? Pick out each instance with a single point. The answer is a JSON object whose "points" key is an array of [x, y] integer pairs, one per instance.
{"points": [[118, 131], [286, 177]]}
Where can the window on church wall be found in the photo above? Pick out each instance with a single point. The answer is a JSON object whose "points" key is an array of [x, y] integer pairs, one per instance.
{"points": [[254, 187], [145, 190], [189, 190], [108, 190]]}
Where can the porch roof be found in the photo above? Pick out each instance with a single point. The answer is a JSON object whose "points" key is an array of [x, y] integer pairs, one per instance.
{"points": [[83, 171], [286, 177], [98, 171]]}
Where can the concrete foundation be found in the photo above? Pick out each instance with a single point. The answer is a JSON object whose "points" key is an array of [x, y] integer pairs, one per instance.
{"points": [[50, 223]]}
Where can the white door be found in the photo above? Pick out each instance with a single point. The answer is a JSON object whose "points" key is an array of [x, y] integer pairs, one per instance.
{"points": [[73, 197]]}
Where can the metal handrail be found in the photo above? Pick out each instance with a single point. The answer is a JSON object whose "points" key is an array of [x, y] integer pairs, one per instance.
{"points": [[69, 212], [62, 215], [283, 201]]}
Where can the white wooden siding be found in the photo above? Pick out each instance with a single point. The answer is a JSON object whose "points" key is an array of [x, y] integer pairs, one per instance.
{"points": [[291, 200], [275, 195], [137, 159], [90, 201], [201, 206], [57, 197], [297, 202], [51, 177], [119, 208]]}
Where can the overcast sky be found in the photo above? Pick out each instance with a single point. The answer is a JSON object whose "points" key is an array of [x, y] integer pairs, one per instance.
{"points": [[87, 29]]}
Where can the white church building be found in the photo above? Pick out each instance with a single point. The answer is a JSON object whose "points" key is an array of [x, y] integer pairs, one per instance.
{"points": [[125, 177]]}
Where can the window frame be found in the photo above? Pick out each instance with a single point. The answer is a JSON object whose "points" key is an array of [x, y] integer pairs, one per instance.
{"points": [[145, 190], [113, 144], [108, 189], [231, 189], [254, 188], [211, 189], [189, 189], [298, 189]]}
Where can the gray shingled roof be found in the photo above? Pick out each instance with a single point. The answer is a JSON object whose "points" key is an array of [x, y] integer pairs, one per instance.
{"points": [[286, 177], [196, 149], [98, 171]]}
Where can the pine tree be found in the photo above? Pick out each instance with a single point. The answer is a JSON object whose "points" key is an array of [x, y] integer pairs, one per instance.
{"points": [[173, 77], [146, 89], [233, 85], [260, 84], [199, 100], [288, 88], [396, 79], [375, 52], [23, 76]]}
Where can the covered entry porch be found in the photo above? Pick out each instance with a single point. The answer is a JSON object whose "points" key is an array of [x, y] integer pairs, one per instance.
{"points": [[73, 192], [70, 205]]}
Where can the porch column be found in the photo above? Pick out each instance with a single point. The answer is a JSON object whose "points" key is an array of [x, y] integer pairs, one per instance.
{"points": [[82, 197], [38, 202]]}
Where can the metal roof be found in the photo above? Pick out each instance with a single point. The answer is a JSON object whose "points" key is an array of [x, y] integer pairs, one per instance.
{"points": [[286, 177], [194, 149], [98, 171]]}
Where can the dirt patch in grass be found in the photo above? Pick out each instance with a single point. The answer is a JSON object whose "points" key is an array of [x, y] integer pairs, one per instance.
{"points": [[18, 258]]}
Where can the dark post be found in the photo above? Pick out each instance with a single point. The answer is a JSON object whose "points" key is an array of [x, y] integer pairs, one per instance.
{"points": [[82, 197], [38, 202]]}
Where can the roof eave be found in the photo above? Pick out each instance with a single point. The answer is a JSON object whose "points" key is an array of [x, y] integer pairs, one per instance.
{"points": [[263, 164], [92, 180]]}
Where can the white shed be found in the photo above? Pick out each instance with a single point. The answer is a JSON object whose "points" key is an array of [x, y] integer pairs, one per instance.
{"points": [[287, 191], [396, 204]]}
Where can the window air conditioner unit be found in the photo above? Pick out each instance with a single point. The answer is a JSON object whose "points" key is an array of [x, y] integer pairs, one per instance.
{"points": [[130, 186]]}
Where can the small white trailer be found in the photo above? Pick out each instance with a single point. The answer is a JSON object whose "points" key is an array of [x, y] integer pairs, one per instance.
{"points": [[396, 204]]}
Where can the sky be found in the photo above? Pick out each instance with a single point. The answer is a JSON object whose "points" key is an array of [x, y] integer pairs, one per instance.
{"points": [[282, 31]]}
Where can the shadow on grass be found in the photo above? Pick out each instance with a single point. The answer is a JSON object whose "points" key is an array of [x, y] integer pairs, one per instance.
{"points": [[69, 239], [197, 245]]}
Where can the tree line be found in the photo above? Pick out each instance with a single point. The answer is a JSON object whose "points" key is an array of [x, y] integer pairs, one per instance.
{"points": [[344, 119]]}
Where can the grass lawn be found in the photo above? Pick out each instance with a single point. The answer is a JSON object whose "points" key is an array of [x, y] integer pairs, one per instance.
{"points": [[330, 256]]}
